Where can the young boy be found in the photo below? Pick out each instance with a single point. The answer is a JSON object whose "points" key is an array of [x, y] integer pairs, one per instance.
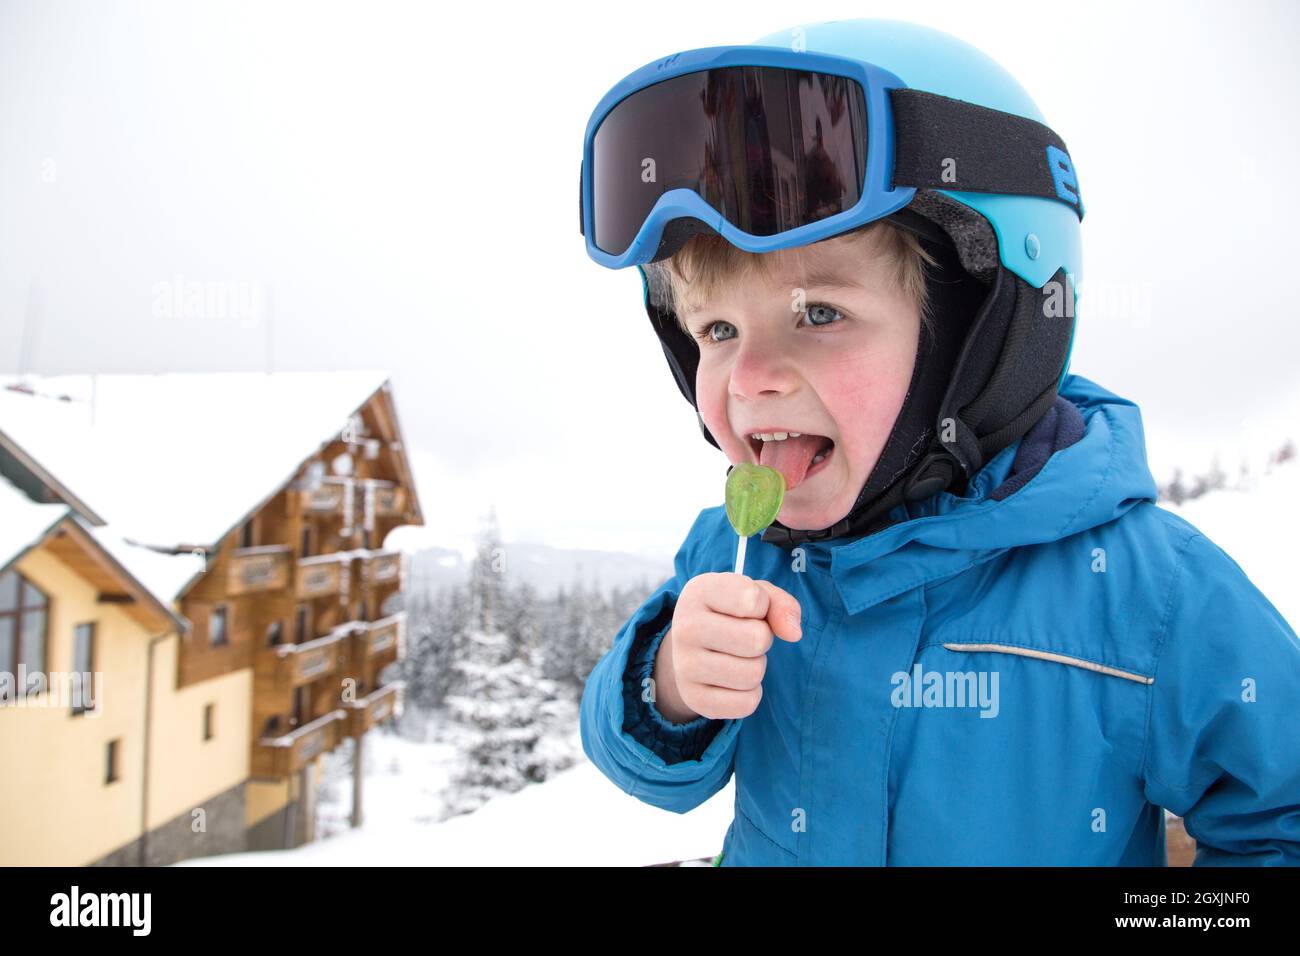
{"points": [[994, 648]]}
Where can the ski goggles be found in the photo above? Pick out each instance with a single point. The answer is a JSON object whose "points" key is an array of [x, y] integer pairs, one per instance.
{"points": [[774, 148]]}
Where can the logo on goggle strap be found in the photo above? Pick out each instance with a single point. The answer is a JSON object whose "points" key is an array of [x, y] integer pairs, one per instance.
{"points": [[1063, 175]]}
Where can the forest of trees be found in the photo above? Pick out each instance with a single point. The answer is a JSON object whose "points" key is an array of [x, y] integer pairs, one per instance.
{"points": [[1179, 489], [507, 665]]}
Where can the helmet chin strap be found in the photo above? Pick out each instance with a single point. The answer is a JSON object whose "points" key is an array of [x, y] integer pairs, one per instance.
{"points": [[913, 464]]}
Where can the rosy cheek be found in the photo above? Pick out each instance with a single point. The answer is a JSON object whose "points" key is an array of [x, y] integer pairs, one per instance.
{"points": [[710, 397], [863, 400]]}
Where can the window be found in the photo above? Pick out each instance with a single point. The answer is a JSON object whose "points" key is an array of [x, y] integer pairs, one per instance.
{"points": [[207, 721], [362, 612], [365, 536], [217, 627], [306, 543], [275, 633], [300, 625], [24, 623], [83, 659], [111, 774], [246, 534]]}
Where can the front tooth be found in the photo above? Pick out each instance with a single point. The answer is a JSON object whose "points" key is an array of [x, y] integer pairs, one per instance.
{"points": [[779, 436], [766, 436]]}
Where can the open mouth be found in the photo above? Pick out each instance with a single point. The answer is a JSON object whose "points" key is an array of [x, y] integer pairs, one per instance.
{"points": [[826, 447], [797, 455]]}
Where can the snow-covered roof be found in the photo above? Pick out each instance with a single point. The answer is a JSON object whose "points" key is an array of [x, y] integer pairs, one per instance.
{"points": [[26, 524], [164, 575], [23, 522], [177, 458]]}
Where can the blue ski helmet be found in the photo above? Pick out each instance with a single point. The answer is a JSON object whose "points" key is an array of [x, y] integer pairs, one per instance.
{"points": [[937, 114]]}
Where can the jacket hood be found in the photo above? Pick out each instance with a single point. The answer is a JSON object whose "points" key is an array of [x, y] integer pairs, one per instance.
{"points": [[1083, 483]]}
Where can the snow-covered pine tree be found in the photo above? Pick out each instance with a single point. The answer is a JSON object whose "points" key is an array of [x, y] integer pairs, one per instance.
{"points": [[1281, 456], [436, 629], [512, 715], [1176, 490], [487, 576], [520, 617]]}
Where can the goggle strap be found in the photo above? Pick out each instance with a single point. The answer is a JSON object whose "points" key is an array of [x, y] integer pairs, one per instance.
{"points": [[945, 143]]}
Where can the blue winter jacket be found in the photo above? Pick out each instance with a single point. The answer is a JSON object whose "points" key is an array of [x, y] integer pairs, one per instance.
{"points": [[1024, 674]]}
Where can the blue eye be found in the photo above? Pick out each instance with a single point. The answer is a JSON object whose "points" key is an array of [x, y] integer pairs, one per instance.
{"points": [[704, 334], [820, 308], [814, 311]]}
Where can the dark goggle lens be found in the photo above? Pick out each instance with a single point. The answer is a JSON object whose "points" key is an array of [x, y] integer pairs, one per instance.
{"points": [[770, 148]]}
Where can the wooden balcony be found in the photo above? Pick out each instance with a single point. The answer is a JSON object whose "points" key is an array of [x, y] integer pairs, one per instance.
{"points": [[325, 499], [381, 567], [259, 569], [320, 576], [353, 499], [281, 756], [389, 500], [376, 707], [288, 666], [374, 640]]}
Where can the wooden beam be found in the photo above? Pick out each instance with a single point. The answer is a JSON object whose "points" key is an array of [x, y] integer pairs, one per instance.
{"points": [[77, 548]]}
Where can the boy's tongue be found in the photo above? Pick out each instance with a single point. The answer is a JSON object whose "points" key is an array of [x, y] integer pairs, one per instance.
{"points": [[791, 457]]}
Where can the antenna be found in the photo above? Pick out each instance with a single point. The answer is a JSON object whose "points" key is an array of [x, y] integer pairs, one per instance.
{"points": [[31, 328], [268, 300]]}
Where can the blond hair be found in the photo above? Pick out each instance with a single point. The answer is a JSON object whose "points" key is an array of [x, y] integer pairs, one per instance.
{"points": [[695, 273]]}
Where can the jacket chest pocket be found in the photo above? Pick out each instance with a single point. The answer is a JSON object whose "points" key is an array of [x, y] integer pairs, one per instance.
{"points": [[1003, 697]]}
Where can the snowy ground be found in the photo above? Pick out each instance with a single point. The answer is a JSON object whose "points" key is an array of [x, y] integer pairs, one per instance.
{"points": [[575, 818]]}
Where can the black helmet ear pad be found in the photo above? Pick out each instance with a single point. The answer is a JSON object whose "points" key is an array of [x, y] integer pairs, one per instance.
{"points": [[682, 354]]}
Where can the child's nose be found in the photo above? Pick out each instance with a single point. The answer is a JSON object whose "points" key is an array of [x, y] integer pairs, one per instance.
{"points": [[761, 368]]}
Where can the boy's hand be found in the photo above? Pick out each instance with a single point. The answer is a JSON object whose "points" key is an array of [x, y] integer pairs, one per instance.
{"points": [[712, 660]]}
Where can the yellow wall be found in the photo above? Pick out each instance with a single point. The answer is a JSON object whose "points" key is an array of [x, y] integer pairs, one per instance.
{"points": [[55, 807], [261, 799], [185, 768]]}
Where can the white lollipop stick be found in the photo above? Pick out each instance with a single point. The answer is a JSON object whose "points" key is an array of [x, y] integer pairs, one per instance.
{"points": [[753, 497]]}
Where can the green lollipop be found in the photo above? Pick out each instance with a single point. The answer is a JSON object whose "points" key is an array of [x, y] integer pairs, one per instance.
{"points": [[754, 496]]}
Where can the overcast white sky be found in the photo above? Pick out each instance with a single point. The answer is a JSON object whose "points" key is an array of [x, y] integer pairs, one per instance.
{"points": [[394, 186]]}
